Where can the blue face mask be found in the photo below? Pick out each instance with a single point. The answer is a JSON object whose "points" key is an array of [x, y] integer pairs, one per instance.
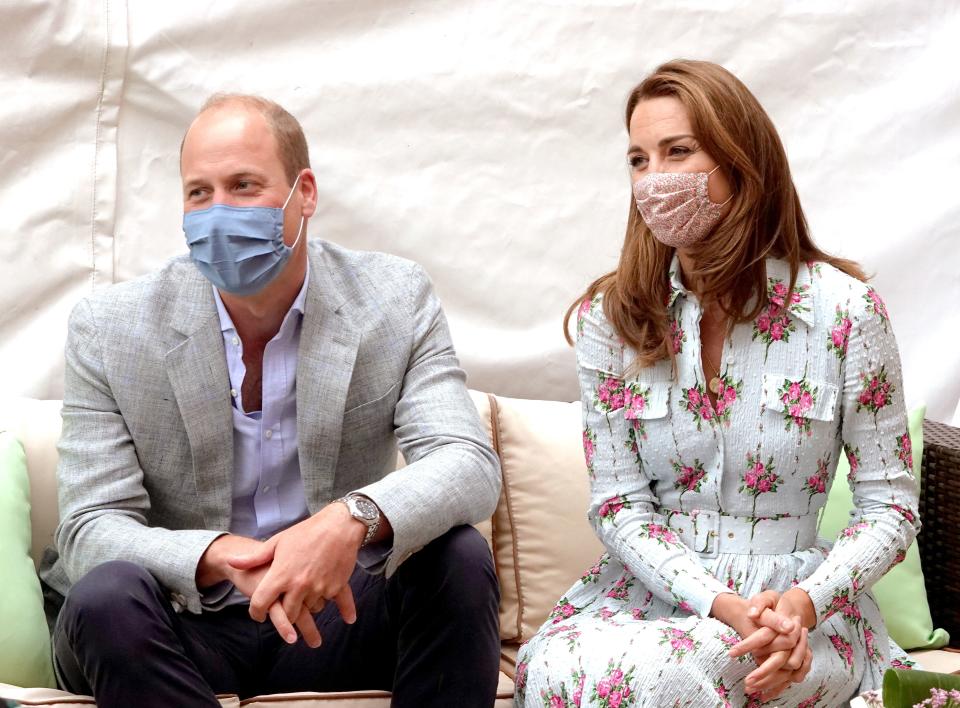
{"points": [[239, 249]]}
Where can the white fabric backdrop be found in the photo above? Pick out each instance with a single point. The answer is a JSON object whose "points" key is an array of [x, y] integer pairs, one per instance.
{"points": [[482, 138]]}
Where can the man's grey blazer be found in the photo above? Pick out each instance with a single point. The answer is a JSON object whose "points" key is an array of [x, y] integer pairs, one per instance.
{"points": [[146, 454]]}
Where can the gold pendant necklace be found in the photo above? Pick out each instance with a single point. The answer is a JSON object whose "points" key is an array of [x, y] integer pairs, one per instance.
{"points": [[715, 385]]}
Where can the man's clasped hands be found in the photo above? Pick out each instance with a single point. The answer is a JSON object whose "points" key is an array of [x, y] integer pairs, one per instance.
{"points": [[774, 629], [290, 576]]}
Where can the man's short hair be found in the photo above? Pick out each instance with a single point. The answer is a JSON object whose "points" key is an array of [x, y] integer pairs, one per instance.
{"points": [[287, 131]]}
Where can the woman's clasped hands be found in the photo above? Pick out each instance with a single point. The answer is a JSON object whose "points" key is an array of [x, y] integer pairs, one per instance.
{"points": [[774, 629]]}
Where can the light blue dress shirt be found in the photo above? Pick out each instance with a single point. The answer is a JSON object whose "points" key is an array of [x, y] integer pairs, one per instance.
{"points": [[267, 486]]}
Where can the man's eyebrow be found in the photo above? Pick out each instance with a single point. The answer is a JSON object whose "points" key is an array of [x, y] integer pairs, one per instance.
{"points": [[240, 175], [662, 143]]}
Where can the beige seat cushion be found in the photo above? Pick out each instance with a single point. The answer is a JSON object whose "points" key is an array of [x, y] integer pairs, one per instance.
{"points": [[355, 699], [542, 541]]}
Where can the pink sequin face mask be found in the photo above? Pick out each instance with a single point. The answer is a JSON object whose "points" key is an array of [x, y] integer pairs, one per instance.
{"points": [[676, 206]]}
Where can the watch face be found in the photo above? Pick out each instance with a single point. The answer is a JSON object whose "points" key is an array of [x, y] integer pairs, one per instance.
{"points": [[366, 508]]}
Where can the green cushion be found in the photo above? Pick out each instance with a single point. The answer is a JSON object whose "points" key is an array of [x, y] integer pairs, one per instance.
{"points": [[24, 639], [900, 593]]}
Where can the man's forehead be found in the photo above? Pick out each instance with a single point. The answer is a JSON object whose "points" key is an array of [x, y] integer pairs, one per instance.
{"points": [[229, 134]]}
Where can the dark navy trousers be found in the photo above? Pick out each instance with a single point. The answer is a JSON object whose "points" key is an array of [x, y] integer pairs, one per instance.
{"points": [[429, 634]]}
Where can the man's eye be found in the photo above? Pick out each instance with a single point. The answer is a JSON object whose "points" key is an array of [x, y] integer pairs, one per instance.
{"points": [[194, 193], [243, 184]]}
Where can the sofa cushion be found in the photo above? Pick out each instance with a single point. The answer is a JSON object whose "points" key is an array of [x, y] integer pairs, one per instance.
{"points": [[25, 643], [541, 538], [36, 424], [901, 593]]}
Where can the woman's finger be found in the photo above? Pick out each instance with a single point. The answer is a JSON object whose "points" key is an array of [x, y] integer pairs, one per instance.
{"points": [[760, 638], [777, 621], [767, 599], [799, 652], [766, 676]]}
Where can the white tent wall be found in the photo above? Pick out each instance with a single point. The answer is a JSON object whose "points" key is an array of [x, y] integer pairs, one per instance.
{"points": [[482, 138]]}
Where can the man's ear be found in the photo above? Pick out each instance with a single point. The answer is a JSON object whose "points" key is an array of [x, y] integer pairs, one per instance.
{"points": [[308, 192]]}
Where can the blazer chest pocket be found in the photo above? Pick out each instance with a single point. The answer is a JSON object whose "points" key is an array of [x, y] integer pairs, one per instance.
{"points": [[799, 401]]}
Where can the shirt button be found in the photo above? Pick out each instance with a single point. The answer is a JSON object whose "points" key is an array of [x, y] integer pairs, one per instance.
{"points": [[269, 434], [236, 341], [266, 488], [233, 392]]}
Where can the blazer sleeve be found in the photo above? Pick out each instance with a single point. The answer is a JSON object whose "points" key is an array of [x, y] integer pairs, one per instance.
{"points": [[102, 497], [452, 474], [623, 507], [875, 438]]}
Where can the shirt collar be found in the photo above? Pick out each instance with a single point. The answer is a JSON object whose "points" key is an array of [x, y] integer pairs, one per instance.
{"points": [[777, 272], [226, 322]]}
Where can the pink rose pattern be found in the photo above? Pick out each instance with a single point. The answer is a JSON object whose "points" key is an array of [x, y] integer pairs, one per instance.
{"points": [[592, 576], [611, 507], [678, 450], [589, 448], [689, 477], [681, 642], [613, 689], [759, 478], [677, 336], [876, 393], [876, 306], [844, 650], [905, 451], [817, 482], [839, 335], [774, 323], [695, 401], [723, 692], [798, 398]]}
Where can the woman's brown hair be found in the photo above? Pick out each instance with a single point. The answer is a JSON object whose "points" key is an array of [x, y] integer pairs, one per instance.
{"points": [[765, 218]]}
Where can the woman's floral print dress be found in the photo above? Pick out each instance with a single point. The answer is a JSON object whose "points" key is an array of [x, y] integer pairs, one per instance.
{"points": [[693, 499]]}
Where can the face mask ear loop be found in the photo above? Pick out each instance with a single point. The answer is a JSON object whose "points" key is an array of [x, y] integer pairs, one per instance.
{"points": [[284, 208], [299, 234], [731, 194]]}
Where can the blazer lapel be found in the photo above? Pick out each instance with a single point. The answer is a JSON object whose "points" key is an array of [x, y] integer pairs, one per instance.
{"points": [[197, 370], [325, 359]]}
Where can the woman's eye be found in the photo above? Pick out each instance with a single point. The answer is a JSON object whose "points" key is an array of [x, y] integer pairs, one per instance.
{"points": [[637, 161], [679, 150]]}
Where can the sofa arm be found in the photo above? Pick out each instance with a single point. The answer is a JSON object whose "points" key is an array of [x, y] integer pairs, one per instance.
{"points": [[939, 540]]}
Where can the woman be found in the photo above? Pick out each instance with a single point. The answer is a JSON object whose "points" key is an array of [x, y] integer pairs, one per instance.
{"points": [[724, 365]]}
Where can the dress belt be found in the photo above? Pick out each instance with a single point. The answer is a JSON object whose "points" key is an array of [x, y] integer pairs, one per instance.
{"points": [[709, 533]]}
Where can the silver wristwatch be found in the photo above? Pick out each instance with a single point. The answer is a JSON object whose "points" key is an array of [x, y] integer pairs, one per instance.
{"points": [[363, 509]]}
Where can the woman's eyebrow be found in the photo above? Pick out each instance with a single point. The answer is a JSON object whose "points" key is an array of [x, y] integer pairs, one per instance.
{"points": [[662, 143]]}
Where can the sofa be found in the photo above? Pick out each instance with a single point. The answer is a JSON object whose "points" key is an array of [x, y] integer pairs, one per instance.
{"points": [[539, 535]]}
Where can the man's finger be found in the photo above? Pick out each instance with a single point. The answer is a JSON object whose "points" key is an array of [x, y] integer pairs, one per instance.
{"points": [[282, 623], [308, 629], [346, 605], [293, 602], [267, 592], [759, 638], [248, 561]]}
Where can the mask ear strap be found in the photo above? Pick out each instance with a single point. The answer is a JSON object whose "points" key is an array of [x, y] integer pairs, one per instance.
{"points": [[731, 194], [295, 183], [299, 234]]}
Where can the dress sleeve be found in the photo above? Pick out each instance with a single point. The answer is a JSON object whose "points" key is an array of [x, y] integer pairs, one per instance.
{"points": [[875, 438], [623, 508]]}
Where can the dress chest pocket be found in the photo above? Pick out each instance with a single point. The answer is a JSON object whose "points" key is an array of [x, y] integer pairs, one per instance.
{"points": [[800, 403], [646, 400]]}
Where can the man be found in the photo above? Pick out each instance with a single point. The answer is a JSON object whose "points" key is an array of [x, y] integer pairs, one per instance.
{"points": [[229, 438]]}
